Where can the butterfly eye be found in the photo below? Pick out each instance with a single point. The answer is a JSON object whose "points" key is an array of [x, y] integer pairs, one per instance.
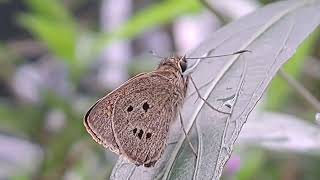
{"points": [[183, 65]]}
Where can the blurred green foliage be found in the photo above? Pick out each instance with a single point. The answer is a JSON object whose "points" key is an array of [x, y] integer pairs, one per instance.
{"points": [[51, 23], [151, 17]]}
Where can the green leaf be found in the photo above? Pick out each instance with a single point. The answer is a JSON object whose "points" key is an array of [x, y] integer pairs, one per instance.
{"points": [[51, 22], [51, 9], [59, 36]]}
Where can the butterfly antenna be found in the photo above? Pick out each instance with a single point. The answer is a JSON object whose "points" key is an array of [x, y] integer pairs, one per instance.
{"points": [[223, 55], [156, 55]]}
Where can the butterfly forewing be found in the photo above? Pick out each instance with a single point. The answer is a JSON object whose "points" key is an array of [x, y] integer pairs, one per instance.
{"points": [[141, 124], [98, 118]]}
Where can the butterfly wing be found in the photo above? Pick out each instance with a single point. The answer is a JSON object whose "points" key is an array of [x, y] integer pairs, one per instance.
{"points": [[98, 118], [142, 116], [98, 122]]}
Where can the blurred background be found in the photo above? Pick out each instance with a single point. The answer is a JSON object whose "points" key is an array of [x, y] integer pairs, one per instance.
{"points": [[57, 57]]}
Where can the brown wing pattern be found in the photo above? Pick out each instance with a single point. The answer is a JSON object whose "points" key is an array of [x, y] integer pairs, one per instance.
{"points": [[98, 123], [98, 118], [134, 119], [142, 116]]}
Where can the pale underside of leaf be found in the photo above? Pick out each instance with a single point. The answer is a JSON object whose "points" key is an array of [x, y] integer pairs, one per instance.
{"points": [[231, 84], [281, 132]]}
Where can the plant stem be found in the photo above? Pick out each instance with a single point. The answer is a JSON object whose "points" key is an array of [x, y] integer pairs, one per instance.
{"points": [[302, 91]]}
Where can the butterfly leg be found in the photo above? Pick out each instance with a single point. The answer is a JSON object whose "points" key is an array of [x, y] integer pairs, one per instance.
{"points": [[204, 100], [185, 133]]}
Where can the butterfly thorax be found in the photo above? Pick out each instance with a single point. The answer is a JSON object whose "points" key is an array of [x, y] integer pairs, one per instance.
{"points": [[170, 68]]}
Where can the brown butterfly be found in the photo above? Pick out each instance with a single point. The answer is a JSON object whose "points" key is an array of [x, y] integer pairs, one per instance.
{"points": [[134, 119]]}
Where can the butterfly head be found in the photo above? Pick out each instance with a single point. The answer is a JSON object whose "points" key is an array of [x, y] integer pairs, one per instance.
{"points": [[179, 63]]}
